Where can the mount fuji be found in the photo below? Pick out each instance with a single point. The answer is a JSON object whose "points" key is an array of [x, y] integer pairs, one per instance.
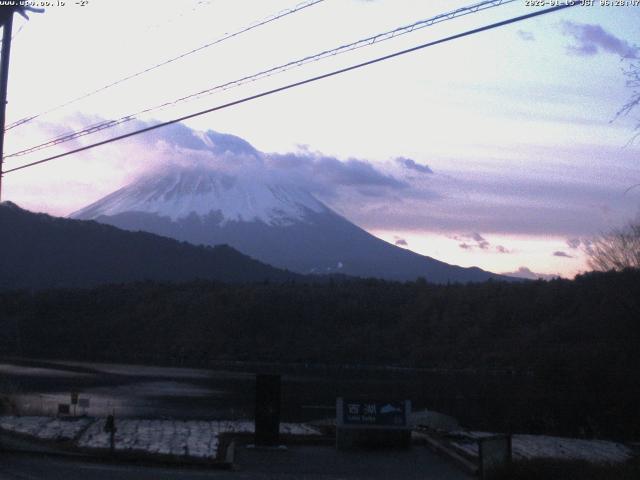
{"points": [[277, 223], [223, 191]]}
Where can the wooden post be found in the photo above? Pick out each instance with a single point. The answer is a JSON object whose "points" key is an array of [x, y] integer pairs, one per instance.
{"points": [[267, 418]]}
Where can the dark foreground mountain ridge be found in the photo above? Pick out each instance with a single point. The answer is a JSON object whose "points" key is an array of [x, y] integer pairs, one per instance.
{"points": [[40, 251]]}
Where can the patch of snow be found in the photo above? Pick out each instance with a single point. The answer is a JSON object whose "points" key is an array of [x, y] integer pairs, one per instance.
{"points": [[166, 437], [45, 428], [543, 446], [298, 429], [192, 438]]}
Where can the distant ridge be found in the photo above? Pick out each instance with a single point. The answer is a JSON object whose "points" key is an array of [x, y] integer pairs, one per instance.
{"points": [[40, 251]]}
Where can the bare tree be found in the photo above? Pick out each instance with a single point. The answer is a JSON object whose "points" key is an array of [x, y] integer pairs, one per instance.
{"points": [[616, 250], [620, 248], [633, 83]]}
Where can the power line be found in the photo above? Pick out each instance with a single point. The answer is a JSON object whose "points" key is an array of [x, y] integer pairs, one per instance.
{"points": [[106, 124], [303, 82], [226, 36]]}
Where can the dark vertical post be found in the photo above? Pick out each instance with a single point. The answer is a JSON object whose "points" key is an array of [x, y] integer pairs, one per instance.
{"points": [[110, 428], [7, 27], [267, 425]]}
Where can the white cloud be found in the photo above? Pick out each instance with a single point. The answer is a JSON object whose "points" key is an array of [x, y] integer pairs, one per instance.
{"points": [[591, 39], [525, 272]]}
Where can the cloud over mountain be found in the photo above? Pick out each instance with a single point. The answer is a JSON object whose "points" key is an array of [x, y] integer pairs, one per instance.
{"points": [[322, 174], [398, 193]]}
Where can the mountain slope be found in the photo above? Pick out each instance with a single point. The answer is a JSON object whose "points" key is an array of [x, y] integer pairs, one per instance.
{"points": [[40, 251], [277, 223]]}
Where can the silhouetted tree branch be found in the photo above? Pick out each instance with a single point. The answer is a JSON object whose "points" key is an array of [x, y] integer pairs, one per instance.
{"points": [[616, 250], [633, 82]]}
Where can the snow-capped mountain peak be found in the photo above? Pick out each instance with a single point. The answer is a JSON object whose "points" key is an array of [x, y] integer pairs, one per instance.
{"points": [[180, 193]]}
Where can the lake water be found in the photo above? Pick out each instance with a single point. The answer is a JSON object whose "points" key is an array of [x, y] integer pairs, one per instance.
{"points": [[36, 387]]}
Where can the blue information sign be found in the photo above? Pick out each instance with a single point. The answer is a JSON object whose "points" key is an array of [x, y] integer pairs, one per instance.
{"points": [[362, 412]]}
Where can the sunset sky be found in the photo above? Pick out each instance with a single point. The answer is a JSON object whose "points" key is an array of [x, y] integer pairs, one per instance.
{"points": [[500, 150]]}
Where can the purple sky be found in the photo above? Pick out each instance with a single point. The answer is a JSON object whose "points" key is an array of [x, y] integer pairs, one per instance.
{"points": [[496, 150]]}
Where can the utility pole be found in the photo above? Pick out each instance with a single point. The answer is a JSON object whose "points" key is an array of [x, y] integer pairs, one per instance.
{"points": [[6, 21], [7, 26]]}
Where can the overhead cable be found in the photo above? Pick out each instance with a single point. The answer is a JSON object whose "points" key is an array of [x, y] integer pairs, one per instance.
{"points": [[457, 36], [106, 124], [226, 36]]}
